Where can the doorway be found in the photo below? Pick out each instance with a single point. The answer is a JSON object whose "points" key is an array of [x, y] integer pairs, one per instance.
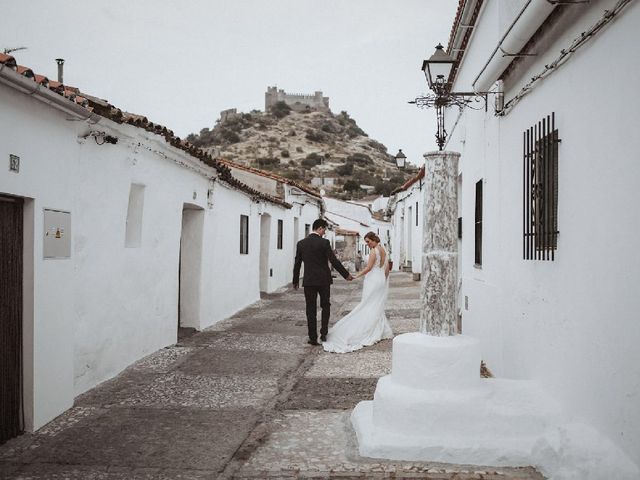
{"points": [[265, 240], [190, 269], [11, 281], [409, 224]]}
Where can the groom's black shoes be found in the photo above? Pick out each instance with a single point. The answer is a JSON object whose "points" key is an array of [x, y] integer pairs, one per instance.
{"points": [[312, 342], [323, 338]]}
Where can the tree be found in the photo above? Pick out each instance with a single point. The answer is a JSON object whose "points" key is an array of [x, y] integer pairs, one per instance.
{"points": [[351, 186]]}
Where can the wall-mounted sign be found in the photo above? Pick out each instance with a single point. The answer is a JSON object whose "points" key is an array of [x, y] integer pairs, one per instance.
{"points": [[14, 163], [57, 234]]}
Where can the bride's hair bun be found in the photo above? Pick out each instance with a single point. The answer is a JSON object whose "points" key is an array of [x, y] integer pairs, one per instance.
{"points": [[372, 236]]}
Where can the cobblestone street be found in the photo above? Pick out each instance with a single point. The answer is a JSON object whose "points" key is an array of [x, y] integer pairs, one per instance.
{"points": [[245, 399]]}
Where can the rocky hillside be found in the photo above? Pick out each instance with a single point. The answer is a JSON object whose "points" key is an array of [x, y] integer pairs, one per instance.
{"points": [[319, 148]]}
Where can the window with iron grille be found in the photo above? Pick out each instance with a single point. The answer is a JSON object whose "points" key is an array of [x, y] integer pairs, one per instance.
{"points": [[244, 234], [478, 224], [280, 229], [540, 190], [416, 214], [307, 229]]}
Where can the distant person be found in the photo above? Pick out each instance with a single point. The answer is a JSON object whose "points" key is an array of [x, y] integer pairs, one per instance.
{"points": [[367, 323], [316, 253]]}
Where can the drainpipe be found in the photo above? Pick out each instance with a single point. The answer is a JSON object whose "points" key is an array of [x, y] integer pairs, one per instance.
{"points": [[531, 16]]}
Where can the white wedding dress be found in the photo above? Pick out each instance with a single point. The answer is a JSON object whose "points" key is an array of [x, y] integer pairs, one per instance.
{"points": [[367, 323]]}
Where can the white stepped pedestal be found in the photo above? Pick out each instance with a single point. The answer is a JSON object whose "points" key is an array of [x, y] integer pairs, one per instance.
{"points": [[435, 407]]}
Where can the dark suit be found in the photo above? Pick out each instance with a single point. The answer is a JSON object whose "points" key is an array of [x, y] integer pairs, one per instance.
{"points": [[316, 254]]}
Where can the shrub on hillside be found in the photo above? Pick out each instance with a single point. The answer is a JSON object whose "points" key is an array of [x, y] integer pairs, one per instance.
{"points": [[280, 110], [351, 186], [359, 159], [312, 160], [315, 136], [346, 169], [267, 162], [229, 135], [284, 154]]}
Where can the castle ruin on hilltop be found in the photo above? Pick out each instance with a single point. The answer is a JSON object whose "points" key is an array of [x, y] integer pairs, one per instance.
{"points": [[297, 101]]}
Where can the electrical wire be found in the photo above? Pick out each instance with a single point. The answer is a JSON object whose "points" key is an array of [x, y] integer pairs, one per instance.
{"points": [[565, 54]]}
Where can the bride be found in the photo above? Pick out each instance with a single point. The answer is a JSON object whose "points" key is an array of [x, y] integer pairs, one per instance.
{"points": [[367, 323]]}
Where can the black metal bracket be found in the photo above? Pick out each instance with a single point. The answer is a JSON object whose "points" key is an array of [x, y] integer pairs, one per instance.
{"points": [[505, 54], [567, 2]]}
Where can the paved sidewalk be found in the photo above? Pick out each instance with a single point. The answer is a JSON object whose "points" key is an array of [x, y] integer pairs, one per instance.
{"points": [[246, 399]]}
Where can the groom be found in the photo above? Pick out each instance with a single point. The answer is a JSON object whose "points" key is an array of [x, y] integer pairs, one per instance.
{"points": [[316, 254]]}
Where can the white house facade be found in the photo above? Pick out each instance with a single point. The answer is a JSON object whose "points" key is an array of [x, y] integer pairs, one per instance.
{"points": [[405, 210], [548, 198], [358, 218], [125, 233], [280, 229]]}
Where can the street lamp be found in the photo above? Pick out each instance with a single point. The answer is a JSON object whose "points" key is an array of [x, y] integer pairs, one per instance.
{"points": [[437, 71], [401, 159]]}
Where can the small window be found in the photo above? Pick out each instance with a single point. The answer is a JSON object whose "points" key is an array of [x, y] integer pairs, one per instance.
{"points": [[280, 229], [478, 224], [307, 229], [133, 230], [459, 228], [416, 214], [244, 234]]}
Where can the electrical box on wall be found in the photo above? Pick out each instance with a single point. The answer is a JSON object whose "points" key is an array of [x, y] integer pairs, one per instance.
{"points": [[57, 234]]}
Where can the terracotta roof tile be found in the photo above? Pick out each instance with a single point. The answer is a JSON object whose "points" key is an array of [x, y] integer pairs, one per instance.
{"points": [[42, 80], [105, 109], [273, 176], [411, 181], [25, 71], [8, 60]]}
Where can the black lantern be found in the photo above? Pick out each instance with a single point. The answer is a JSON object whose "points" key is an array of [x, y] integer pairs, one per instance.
{"points": [[437, 71], [438, 68], [401, 159]]}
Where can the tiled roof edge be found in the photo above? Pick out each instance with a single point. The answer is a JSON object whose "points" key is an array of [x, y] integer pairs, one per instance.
{"points": [[104, 109], [273, 176]]}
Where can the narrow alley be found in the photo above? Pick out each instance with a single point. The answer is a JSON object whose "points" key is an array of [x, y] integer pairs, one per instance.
{"points": [[245, 399]]}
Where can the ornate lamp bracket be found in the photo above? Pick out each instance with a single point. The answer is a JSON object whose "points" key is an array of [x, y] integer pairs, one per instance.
{"points": [[442, 99]]}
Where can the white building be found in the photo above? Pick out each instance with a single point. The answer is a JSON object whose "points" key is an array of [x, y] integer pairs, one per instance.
{"points": [[405, 209], [119, 226], [550, 263], [357, 218], [278, 227]]}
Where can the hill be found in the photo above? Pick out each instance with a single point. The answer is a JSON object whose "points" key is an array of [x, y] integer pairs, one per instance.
{"points": [[316, 147]]}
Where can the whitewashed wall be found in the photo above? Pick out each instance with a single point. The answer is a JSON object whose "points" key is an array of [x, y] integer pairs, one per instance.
{"points": [[571, 324], [126, 297], [48, 151], [89, 316], [407, 236]]}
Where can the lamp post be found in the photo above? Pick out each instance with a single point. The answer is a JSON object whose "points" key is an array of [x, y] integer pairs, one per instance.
{"points": [[401, 160], [437, 71]]}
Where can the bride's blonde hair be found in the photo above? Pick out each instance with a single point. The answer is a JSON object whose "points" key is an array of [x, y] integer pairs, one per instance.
{"points": [[372, 236]]}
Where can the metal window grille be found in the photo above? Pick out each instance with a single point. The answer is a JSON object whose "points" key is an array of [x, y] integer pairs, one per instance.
{"points": [[307, 229], [416, 214], [478, 224], [280, 230], [540, 190], [244, 234]]}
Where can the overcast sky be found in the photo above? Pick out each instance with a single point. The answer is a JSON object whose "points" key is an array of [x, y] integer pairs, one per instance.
{"points": [[181, 62]]}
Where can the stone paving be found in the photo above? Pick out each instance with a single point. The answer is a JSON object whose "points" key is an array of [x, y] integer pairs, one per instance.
{"points": [[245, 399]]}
